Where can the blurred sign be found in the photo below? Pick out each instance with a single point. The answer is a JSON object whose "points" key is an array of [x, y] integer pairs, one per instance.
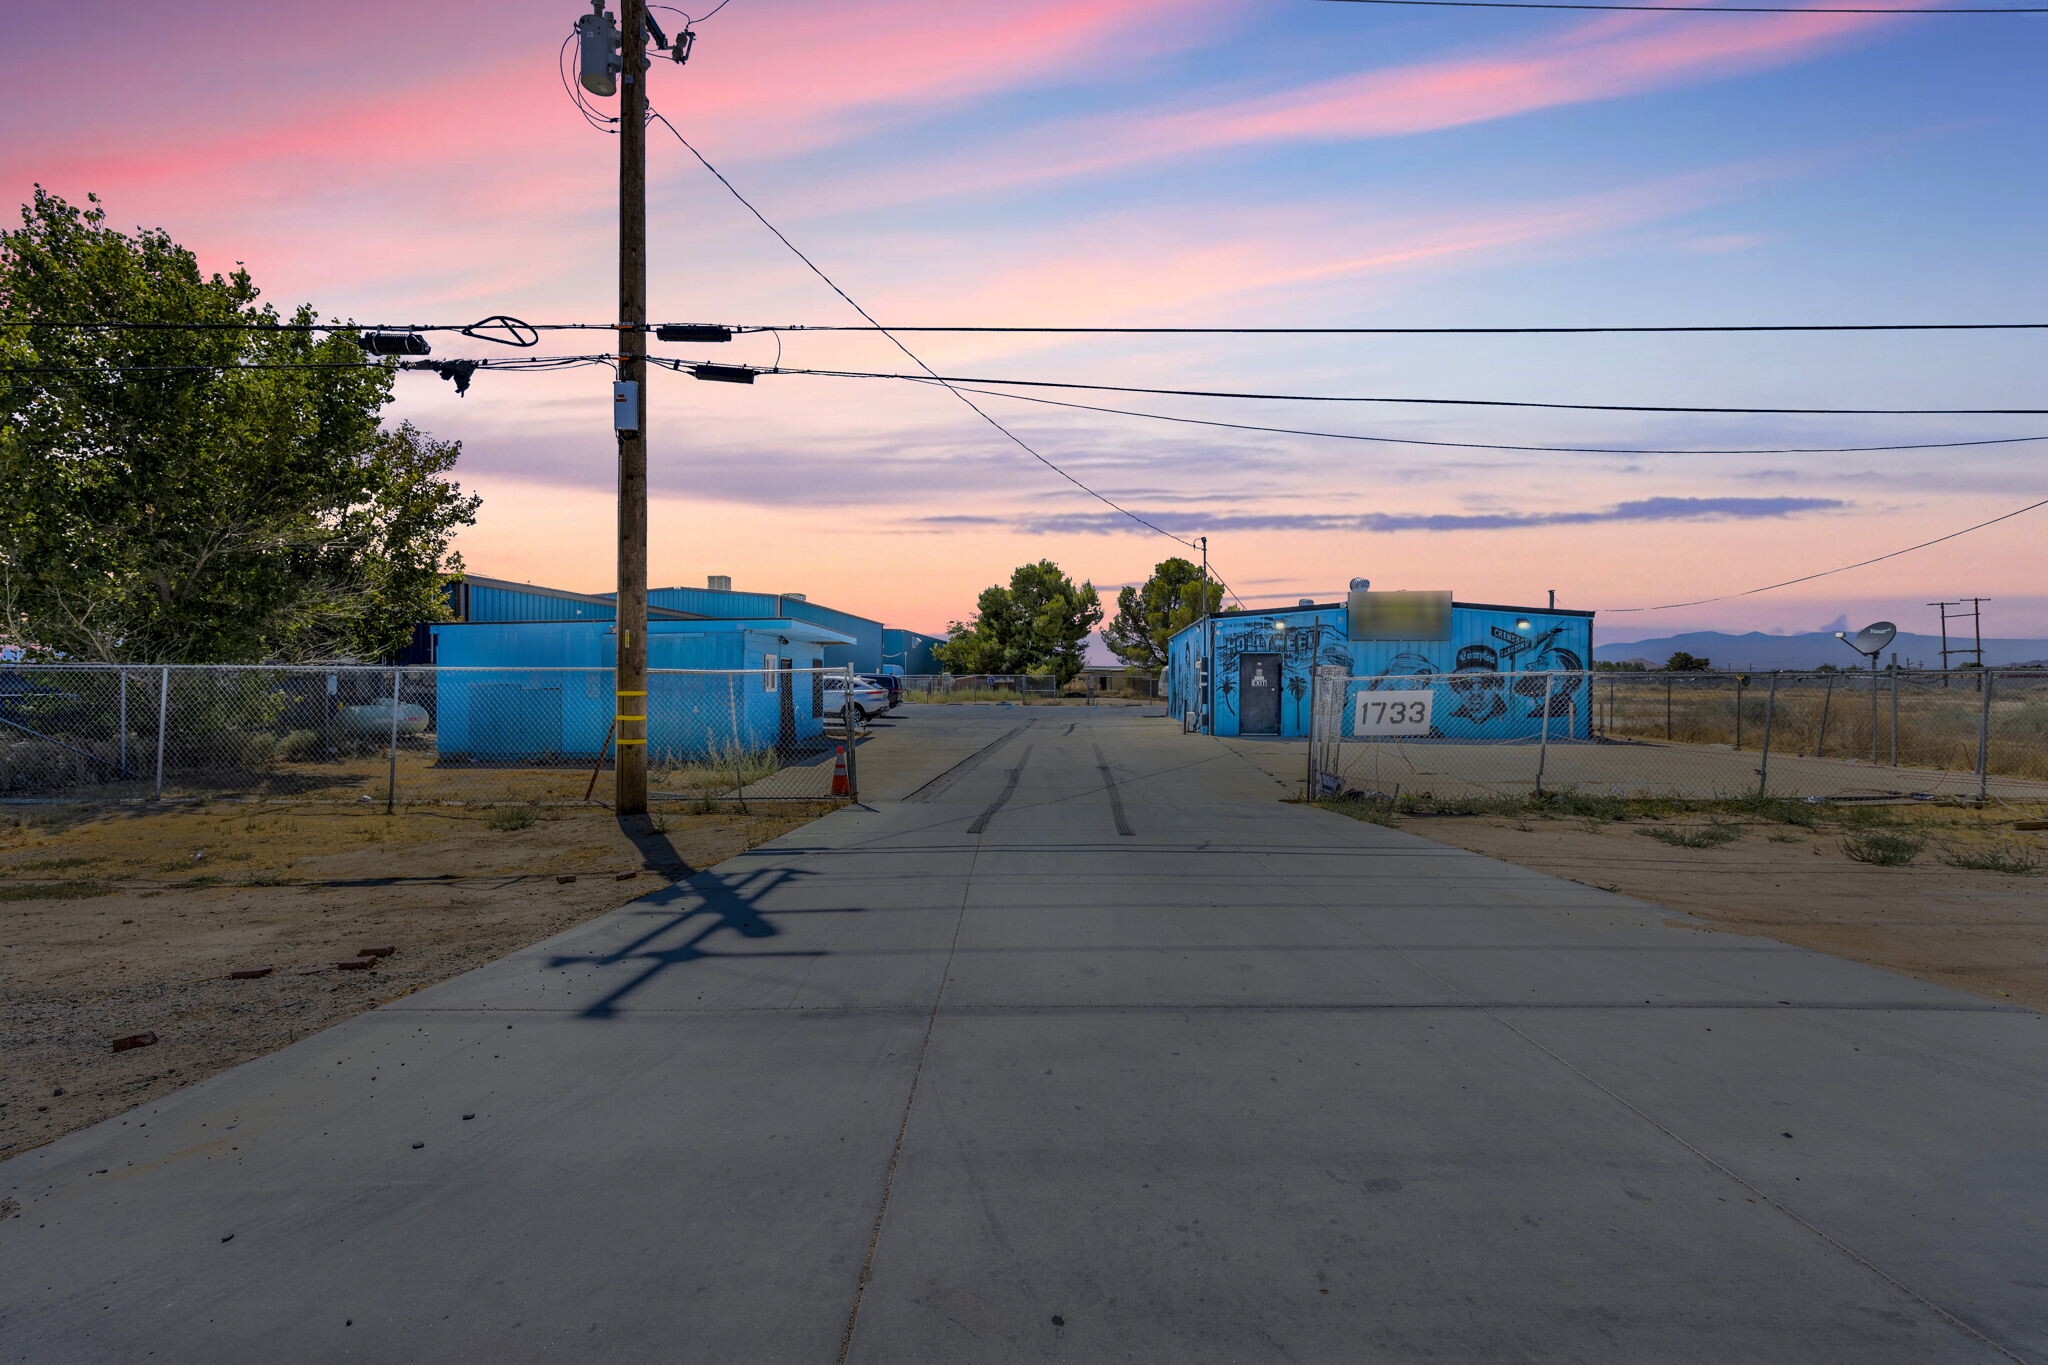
{"points": [[1392, 713], [1399, 615]]}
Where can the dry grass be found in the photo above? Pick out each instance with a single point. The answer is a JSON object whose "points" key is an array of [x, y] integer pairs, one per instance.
{"points": [[1937, 727], [162, 906]]}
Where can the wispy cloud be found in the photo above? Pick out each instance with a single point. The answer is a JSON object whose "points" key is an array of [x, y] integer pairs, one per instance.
{"points": [[1604, 58], [1642, 509]]}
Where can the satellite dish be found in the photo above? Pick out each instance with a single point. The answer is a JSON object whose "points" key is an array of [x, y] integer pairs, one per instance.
{"points": [[1872, 639]]}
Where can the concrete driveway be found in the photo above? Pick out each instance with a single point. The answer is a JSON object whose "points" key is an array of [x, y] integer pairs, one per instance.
{"points": [[1079, 1045]]}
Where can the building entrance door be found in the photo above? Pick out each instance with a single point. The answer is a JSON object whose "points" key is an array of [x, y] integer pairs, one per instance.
{"points": [[1258, 694]]}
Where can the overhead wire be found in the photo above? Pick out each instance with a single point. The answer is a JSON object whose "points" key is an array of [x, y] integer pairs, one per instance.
{"points": [[778, 328], [468, 328], [951, 380], [1826, 573], [1487, 445], [514, 363], [1693, 9], [833, 285], [1421, 331]]}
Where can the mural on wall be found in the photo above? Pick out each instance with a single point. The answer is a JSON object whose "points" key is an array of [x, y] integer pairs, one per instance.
{"points": [[1299, 651], [1489, 677]]}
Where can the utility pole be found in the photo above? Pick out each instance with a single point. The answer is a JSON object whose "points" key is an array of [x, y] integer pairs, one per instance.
{"points": [[1976, 615], [1943, 608], [1204, 708], [630, 771]]}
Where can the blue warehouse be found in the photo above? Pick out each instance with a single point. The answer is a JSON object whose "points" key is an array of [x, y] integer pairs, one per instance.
{"points": [[1260, 682], [541, 691]]}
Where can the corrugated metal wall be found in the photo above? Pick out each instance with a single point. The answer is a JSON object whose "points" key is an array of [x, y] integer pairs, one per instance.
{"points": [[909, 651], [510, 604]]}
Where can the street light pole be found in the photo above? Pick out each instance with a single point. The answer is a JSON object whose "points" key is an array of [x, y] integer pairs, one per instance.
{"points": [[630, 771]]}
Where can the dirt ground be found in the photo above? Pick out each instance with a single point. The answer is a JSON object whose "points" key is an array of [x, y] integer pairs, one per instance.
{"points": [[1978, 931], [128, 923]]}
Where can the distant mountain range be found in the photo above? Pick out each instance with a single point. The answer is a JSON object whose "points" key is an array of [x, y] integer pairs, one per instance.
{"points": [[1757, 650]]}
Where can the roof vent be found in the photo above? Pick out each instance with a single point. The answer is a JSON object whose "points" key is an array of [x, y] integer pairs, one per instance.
{"points": [[1305, 602], [1361, 585], [796, 597], [722, 582]]}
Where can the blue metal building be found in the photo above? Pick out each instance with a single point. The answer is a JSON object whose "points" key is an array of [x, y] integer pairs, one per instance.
{"points": [[907, 651], [514, 709], [474, 599], [1480, 663], [863, 647]]}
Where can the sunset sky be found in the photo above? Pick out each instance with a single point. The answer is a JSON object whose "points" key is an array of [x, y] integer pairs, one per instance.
{"points": [[1161, 163]]}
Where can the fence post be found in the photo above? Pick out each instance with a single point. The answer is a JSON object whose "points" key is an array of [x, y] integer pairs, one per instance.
{"points": [[1763, 769], [1873, 713], [122, 723], [1543, 743], [852, 745], [732, 712], [1308, 776], [1827, 699], [391, 755], [1667, 709], [1895, 717], [163, 720], [1984, 737], [1739, 686]]}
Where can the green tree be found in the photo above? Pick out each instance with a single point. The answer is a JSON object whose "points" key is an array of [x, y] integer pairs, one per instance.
{"points": [[198, 514], [1039, 623], [1149, 614], [1682, 662]]}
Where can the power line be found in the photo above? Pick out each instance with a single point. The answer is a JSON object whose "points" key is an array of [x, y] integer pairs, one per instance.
{"points": [[115, 324], [950, 380], [1484, 445], [1686, 9], [1808, 578], [1425, 331], [916, 359], [482, 329]]}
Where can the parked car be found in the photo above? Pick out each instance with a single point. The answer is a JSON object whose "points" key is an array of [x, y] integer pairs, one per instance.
{"points": [[889, 682], [871, 701]]}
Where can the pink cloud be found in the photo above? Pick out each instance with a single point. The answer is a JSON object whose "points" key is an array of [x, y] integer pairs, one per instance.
{"points": [[1604, 58]]}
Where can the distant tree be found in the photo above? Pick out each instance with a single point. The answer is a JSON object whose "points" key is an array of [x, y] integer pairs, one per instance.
{"points": [[1682, 662], [1149, 614], [1039, 623], [1827, 668], [203, 514], [1608, 666]]}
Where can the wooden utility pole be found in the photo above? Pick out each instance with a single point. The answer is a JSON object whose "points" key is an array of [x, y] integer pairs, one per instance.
{"points": [[630, 771]]}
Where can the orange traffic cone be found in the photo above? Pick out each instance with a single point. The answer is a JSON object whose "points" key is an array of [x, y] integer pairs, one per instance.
{"points": [[840, 785]]}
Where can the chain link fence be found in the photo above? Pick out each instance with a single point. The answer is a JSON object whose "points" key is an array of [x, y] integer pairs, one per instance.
{"points": [[1975, 734], [394, 736], [1024, 688]]}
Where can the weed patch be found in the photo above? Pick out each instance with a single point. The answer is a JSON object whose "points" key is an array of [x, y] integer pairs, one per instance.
{"points": [[510, 818], [1371, 811], [1696, 836], [55, 891], [1883, 848], [2010, 859]]}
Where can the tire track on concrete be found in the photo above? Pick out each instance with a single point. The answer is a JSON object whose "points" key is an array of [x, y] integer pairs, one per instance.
{"points": [[1116, 797], [966, 765], [1009, 790]]}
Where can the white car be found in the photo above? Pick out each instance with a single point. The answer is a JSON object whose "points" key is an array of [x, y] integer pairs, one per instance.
{"points": [[871, 701]]}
